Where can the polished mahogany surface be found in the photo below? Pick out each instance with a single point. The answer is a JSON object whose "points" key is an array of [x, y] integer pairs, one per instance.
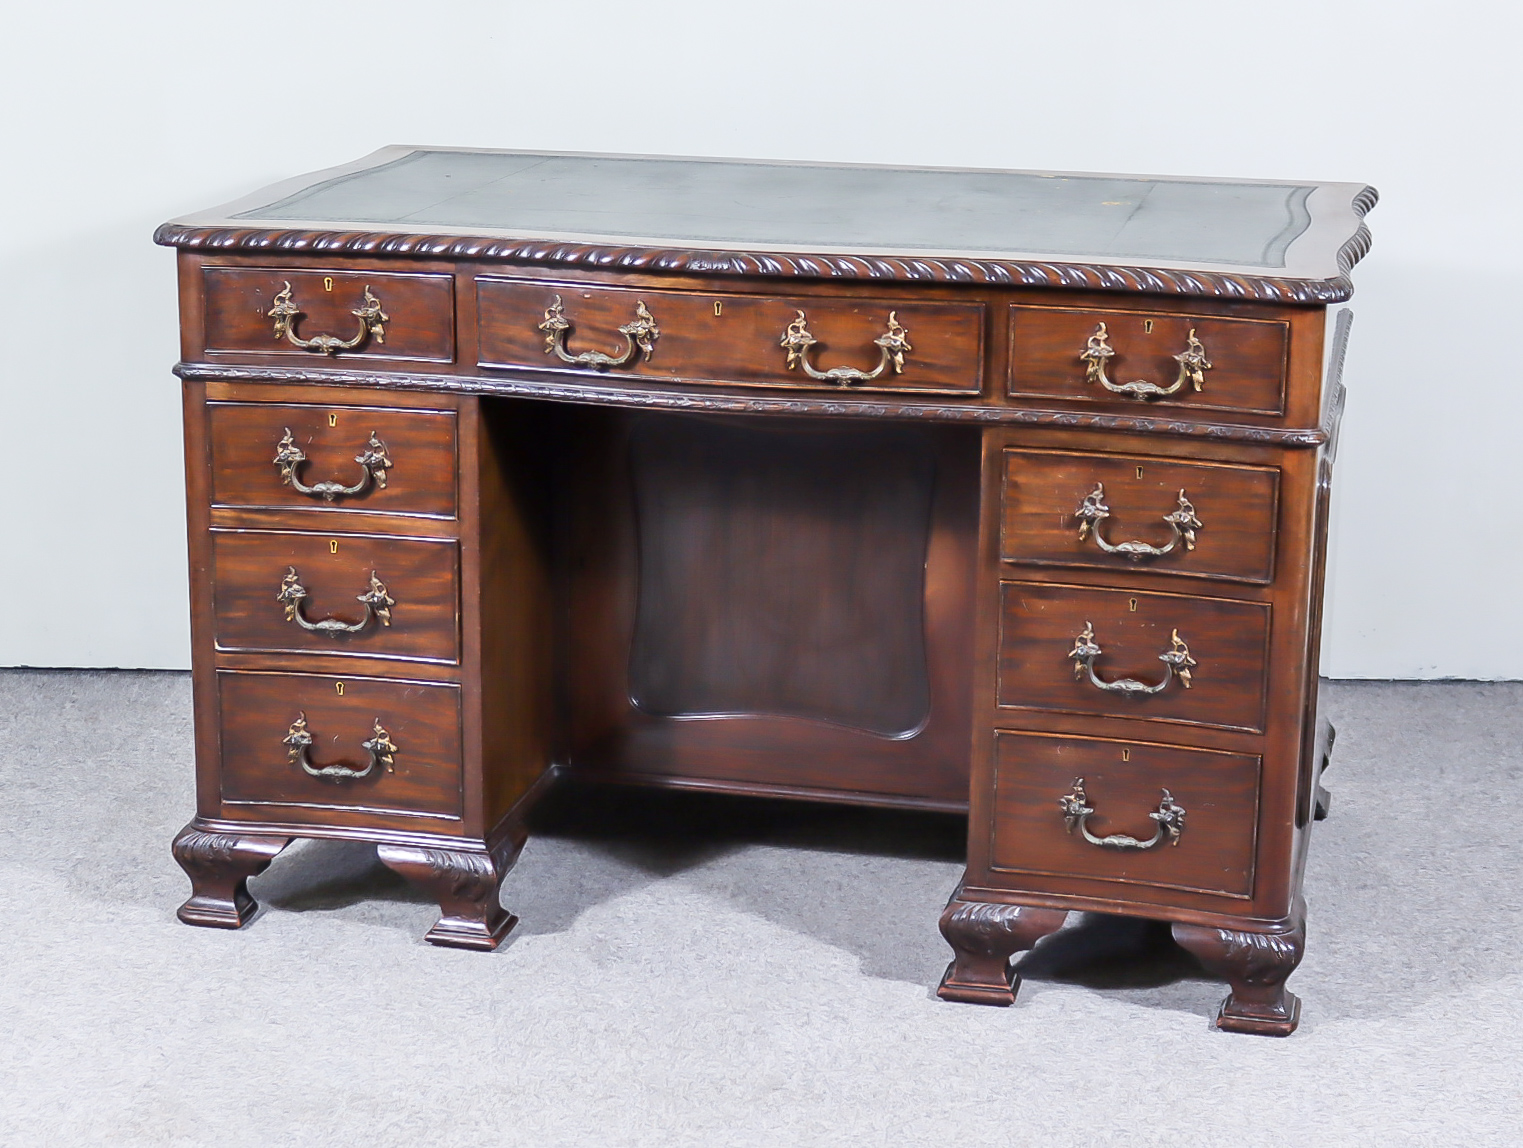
{"points": [[1010, 498]]}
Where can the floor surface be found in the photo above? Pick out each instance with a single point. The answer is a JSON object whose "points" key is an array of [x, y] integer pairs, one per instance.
{"points": [[717, 972]]}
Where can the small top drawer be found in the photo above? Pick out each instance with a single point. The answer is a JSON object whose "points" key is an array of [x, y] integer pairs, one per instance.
{"points": [[883, 344], [1149, 358], [366, 314], [287, 455], [1108, 511]]}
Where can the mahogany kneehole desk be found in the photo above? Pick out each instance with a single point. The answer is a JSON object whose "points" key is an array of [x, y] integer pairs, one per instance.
{"points": [[983, 491]]}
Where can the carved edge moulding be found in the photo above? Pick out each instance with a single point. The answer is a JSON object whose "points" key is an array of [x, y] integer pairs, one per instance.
{"points": [[998, 272], [602, 394]]}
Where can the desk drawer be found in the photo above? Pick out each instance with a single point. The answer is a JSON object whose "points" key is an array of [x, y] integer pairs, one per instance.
{"points": [[278, 730], [716, 338], [375, 459], [1131, 633], [358, 594], [1107, 511], [1140, 350], [1122, 783], [342, 314]]}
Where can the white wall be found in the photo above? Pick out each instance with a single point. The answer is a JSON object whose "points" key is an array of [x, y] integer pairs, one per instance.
{"points": [[119, 116]]}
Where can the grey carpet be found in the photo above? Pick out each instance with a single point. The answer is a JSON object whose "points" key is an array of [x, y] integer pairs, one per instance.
{"points": [[701, 971]]}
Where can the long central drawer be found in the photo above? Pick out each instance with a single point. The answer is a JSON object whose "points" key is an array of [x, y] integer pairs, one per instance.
{"points": [[873, 344]]}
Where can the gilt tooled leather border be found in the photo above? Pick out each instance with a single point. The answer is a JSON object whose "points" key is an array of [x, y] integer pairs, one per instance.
{"points": [[997, 272]]}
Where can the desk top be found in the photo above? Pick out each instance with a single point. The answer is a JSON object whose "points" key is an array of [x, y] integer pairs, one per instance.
{"points": [[1254, 239]]}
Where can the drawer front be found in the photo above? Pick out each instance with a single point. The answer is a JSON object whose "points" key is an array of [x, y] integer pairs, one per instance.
{"points": [[248, 444], [261, 713], [1107, 511], [416, 319], [1122, 783], [358, 594], [1042, 626], [734, 338], [1247, 358]]}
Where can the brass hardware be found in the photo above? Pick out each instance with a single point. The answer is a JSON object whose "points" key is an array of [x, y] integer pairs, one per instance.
{"points": [[1131, 605], [718, 308], [1169, 816], [373, 460], [333, 420], [338, 688], [380, 747], [376, 600], [892, 345], [1147, 326], [1176, 664], [1139, 472], [327, 282], [1093, 511], [371, 317], [639, 336], [1126, 755], [333, 546], [1192, 368]]}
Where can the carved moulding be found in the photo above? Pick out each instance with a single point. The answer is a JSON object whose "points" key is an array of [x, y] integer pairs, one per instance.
{"points": [[1001, 272], [612, 395]]}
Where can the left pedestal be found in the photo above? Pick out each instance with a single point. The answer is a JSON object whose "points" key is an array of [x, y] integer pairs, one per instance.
{"points": [[360, 672]]}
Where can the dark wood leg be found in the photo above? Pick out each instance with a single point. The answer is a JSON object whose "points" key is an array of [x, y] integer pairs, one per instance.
{"points": [[984, 936], [466, 884], [219, 866], [1256, 965]]}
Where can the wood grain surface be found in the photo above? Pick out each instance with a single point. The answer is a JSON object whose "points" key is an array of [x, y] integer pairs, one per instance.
{"points": [[1229, 639], [741, 343], [420, 311], [1237, 505], [1219, 792], [422, 575], [420, 444]]}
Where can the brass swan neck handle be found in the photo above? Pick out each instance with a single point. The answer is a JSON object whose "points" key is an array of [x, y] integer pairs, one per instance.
{"points": [[372, 319], [892, 346], [1177, 663], [375, 599], [1169, 819], [1093, 512], [373, 461], [640, 336], [380, 747], [1192, 361]]}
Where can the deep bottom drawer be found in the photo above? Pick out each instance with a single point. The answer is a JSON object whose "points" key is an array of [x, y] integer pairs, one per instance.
{"points": [[266, 761], [1123, 782]]}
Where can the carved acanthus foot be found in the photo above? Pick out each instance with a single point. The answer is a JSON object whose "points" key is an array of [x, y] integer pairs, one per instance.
{"points": [[219, 866], [984, 936], [466, 886], [1256, 965]]}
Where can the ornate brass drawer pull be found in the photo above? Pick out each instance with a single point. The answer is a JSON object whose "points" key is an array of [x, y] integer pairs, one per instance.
{"points": [[369, 313], [1192, 361], [1176, 663], [373, 461], [376, 600], [298, 740], [640, 335], [1093, 511], [892, 345], [1170, 818]]}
